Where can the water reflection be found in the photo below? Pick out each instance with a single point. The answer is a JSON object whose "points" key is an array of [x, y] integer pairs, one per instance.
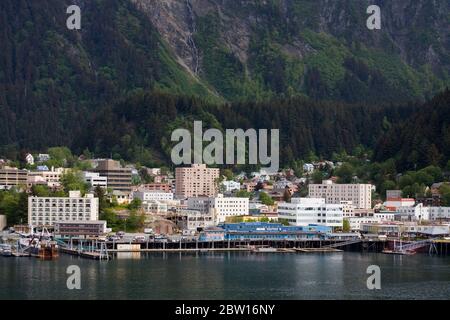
{"points": [[228, 275]]}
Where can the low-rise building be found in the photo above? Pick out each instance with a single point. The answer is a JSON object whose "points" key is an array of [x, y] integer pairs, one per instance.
{"points": [[154, 207], [221, 207], [193, 220], [43, 157], [95, 180], [307, 211], [393, 204], [439, 213], [164, 187], [51, 178], [80, 229], [152, 195], [308, 167], [13, 177], [388, 229], [258, 231], [122, 197], [356, 222], [384, 216], [417, 213]]}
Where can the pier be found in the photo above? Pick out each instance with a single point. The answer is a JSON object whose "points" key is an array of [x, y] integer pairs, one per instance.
{"points": [[96, 250]]}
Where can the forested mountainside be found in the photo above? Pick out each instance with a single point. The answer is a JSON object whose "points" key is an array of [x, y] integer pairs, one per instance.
{"points": [[139, 68], [252, 49], [421, 139]]}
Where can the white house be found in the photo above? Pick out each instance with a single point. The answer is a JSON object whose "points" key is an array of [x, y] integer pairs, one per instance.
{"points": [[231, 185], [308, 167], [29, 159], [43, 157]]}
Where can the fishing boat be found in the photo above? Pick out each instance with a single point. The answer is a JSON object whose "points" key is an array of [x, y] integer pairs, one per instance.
{"points": [[5, 250], [40, 245]]}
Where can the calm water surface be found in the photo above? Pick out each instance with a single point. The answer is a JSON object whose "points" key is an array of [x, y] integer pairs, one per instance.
{"points": [[229, 276]]}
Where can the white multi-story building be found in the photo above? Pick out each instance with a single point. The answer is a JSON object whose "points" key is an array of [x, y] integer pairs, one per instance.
{"points": [[348, 209], [306, 211], [359, 194], [421, 212], [221, 207], [231, 186], [154, 206], [45, 211], [228, 207], [417, 213], [194, 220], [95, 180], [438, 213], [49, 177], [355, 222], [384, 216], [152, 195]]}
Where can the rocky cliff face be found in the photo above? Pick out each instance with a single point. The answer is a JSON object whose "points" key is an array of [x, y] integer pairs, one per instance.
{"points": [[410, 52]]}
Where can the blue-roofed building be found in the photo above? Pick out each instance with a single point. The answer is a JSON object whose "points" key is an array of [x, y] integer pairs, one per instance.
{"points": [[42, 168], [257, 231]]}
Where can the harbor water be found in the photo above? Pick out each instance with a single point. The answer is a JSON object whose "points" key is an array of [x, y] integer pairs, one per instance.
{"points": [[229, 275]]}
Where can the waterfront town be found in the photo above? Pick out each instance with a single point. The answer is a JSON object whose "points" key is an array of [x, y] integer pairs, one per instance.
{"points": [[106, 206]]}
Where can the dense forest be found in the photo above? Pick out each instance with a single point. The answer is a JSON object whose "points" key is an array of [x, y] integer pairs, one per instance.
{"points": [[138, 128]]}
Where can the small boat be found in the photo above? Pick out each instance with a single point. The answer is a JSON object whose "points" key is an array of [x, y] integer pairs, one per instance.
{"points": [[5, 250], [404, 253], [265, 250]]}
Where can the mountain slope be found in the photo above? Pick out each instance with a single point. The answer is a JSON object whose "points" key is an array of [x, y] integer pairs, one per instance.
{"points": [[51, 76], [321, 48]]}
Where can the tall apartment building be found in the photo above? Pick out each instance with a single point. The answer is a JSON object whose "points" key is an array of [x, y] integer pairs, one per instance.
{"points": [[118, 178], [359, 194], [195, 181], [306, 211], [220, 207], [13, 177], [45, 211]]}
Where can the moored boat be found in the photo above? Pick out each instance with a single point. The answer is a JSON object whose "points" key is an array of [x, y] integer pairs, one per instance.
{"points": [[5, 250]]}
